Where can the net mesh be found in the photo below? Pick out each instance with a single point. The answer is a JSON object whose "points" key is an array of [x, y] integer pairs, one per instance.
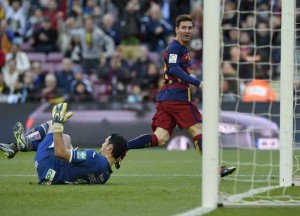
{"points": [[249, 102]]}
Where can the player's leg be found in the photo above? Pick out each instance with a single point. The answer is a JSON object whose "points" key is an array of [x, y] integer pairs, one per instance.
{"points": [[48, 166], [196, 133], [29, 141], [36, 134], [160, 136], [188, 116], [9, 149], [143, 141], [24, 142], [225, 171], [45, 160]]}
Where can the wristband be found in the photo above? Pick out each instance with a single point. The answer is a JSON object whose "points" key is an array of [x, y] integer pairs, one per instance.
{"points": [[58, 128]]}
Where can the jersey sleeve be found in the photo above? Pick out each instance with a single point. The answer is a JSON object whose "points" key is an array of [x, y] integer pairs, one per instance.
{"points": [[173, 57], [174, 54], [77, 156], [177, 72]]}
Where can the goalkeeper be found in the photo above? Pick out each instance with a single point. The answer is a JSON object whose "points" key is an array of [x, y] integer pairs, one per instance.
{"points": [[56, 161]]}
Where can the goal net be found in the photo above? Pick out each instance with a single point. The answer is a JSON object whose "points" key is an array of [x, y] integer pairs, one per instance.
{"points": [[259, 120]]}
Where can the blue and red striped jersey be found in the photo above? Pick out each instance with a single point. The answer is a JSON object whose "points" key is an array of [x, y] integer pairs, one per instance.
{"points": [[176, 74]]}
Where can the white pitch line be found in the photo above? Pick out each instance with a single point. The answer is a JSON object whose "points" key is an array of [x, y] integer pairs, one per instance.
{"points": [[196, 211], [238, 197], [158, 175], [136, 175], [18, 175], [234, 198], [117, 175]]}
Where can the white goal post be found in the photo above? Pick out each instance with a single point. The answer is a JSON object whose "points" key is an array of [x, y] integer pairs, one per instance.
{"points": [[212, 197], [286, 97], [211, 62]]}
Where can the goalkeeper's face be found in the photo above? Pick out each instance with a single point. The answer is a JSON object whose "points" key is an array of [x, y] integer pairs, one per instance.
{"points": [[105, 146], [185, 31]]}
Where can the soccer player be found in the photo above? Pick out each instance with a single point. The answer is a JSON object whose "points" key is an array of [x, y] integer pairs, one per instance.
{"points": [[56, 161], [174, 103]]}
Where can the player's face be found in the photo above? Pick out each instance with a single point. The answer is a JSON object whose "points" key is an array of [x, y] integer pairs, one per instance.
{"points": [[105, 144], [185, 31]]}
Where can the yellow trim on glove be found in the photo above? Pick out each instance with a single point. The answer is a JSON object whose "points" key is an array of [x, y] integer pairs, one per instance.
{"points": [[58, 128]]}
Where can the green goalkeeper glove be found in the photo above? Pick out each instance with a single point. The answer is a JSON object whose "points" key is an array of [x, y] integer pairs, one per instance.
{"points": [[68, 115], [59, 117]]}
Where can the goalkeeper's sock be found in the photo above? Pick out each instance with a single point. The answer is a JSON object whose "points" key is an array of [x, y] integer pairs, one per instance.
{"points": [[37, 134], [198, 143], [143, 141]]}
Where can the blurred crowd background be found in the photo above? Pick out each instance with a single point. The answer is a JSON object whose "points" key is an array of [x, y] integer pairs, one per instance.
{"points": [[111, 50]]}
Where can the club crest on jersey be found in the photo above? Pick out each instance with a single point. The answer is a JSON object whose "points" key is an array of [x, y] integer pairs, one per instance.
{"points": [[172, 58], [81, 155], [186, 57]]}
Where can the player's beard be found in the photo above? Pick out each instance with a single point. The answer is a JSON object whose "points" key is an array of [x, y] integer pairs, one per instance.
{"points": [[186, 39]]}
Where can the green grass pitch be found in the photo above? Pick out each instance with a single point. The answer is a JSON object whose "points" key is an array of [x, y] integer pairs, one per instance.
{"points": [[150, 182]]}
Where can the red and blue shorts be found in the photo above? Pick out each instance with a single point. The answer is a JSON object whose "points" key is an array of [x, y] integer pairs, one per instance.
{"points": [[171, 113]]}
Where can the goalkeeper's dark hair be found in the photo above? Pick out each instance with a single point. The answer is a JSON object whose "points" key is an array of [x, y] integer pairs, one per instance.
{"points": [[120, 147], [182, 18]]}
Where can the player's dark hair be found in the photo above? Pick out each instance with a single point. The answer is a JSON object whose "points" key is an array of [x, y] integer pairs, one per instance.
{"points": [[182, 18], [120, 147]]}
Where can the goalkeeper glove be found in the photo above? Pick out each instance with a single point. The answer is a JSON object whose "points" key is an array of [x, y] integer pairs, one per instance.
{"points": [[59, 116], [68, 115]]}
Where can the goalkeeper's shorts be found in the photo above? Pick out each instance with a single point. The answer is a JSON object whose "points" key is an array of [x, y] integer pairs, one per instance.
{"points": [[50, 169]]}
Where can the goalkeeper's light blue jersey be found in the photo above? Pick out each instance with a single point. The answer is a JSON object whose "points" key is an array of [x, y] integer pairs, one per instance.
{"points": [[85, 166]]}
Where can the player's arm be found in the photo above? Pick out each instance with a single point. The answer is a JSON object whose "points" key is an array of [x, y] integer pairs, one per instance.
{"points": [[176, 71], [59, 116], [59, 147], [179, 73]]}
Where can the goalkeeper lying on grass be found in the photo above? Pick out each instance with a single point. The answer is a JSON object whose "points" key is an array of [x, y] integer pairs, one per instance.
{"points": [[56, 161]]}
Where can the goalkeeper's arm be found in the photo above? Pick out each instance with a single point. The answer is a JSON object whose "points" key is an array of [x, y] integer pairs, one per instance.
{"points": [[59, 116], [59, 147]]}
